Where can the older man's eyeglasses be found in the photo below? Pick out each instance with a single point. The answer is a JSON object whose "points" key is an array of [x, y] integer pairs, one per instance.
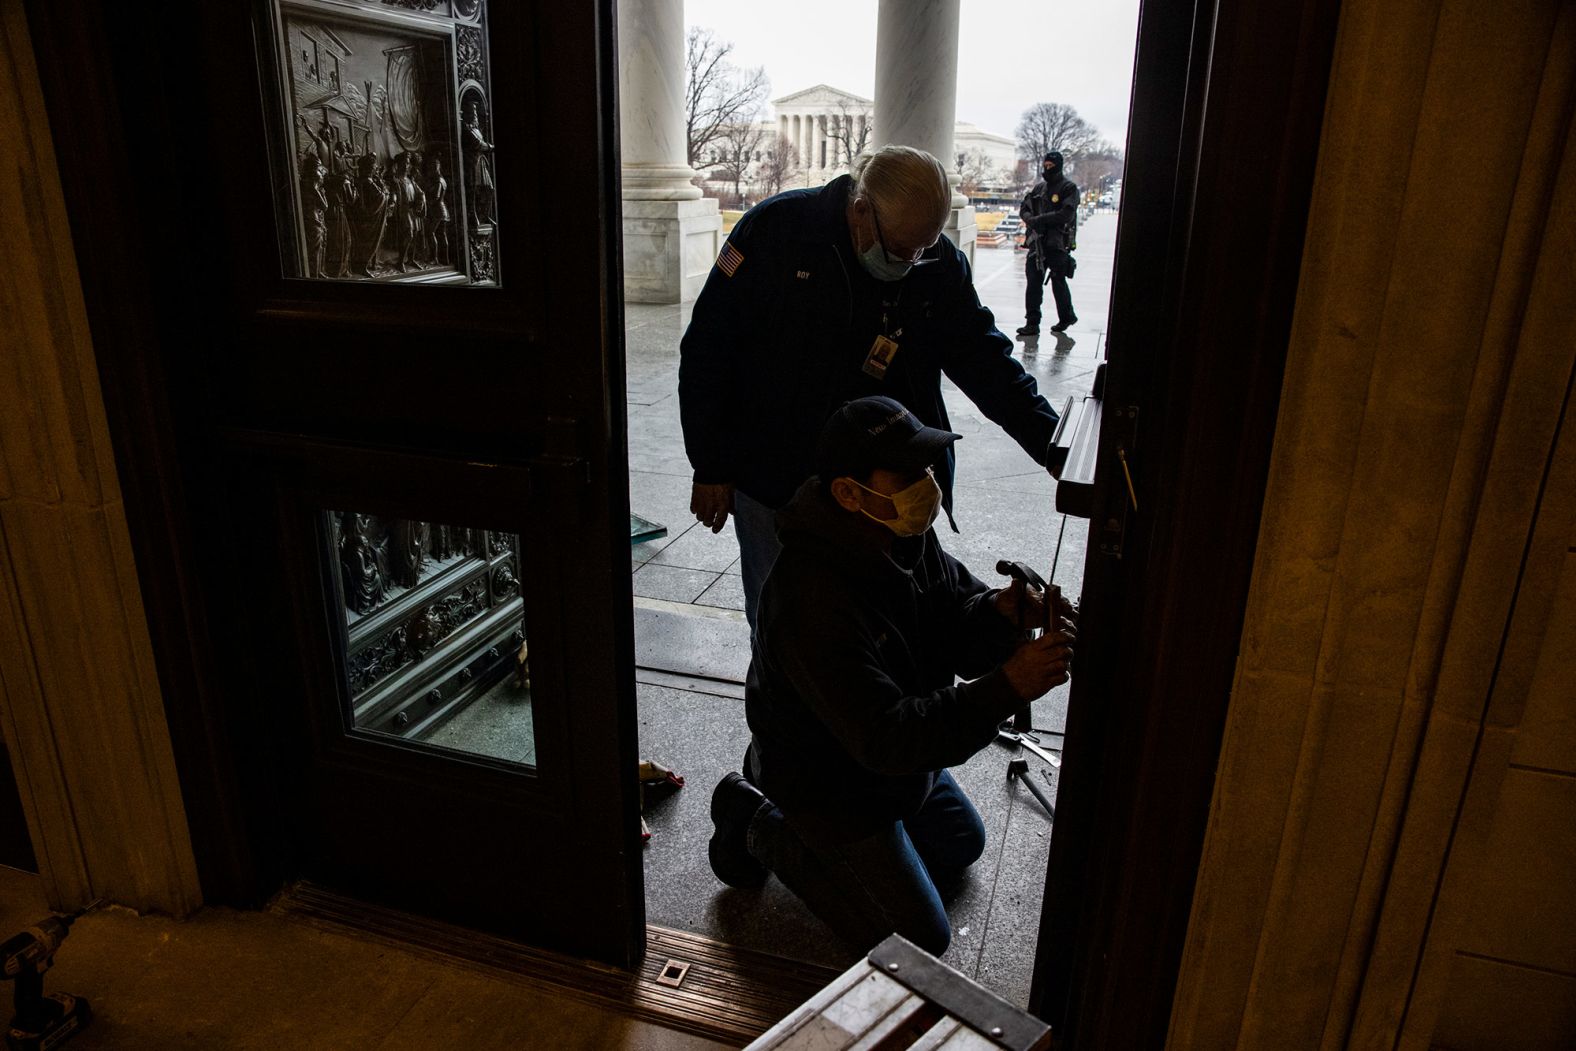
{"points": [[897, 256]]}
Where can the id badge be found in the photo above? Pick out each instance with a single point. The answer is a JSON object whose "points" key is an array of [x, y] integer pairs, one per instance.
{"points": [[882, 351]]}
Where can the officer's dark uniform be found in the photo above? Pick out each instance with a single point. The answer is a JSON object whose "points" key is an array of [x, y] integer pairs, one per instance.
{"points": [[783, 334], [1049, 212]]}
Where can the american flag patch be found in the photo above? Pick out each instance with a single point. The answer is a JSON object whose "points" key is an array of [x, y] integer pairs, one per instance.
{"points": [[728, 262]]}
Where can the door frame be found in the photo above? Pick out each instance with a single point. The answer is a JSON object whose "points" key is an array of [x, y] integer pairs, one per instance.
{"points": [[1136, 787], [1228, 96]]}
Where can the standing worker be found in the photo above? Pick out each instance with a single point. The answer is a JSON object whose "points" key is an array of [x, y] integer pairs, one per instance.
{"points": [[820, 296], [1050, 215]]}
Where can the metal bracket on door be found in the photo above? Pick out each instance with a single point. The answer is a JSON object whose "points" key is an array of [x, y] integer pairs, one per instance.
{"points": [[1121, 497]]}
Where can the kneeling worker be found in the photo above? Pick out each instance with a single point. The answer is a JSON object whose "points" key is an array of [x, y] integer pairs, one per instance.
{"points": [[865, 625]]}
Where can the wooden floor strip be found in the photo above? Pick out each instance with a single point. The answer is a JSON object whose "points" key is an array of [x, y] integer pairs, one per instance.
{"points": [[727, 993]]}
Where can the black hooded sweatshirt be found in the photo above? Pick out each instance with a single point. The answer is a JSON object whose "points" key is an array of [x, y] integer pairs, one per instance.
{"points": [[852, 694]]}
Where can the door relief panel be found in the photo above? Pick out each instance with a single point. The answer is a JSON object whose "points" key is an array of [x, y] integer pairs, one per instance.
{"points": [[384, 141]]}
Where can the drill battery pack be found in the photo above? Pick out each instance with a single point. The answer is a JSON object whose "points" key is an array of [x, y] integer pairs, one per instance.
{"points": [[51, 1023]]}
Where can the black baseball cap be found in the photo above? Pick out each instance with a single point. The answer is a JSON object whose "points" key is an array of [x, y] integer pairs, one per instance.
{"points": [[877, 432]]}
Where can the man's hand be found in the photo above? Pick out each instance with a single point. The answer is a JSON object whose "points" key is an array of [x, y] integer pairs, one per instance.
{"points": [[1031, 608], [711, 504], [1007, 603], [1040, 665]]}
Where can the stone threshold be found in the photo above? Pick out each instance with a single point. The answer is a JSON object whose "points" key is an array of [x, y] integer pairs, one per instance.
{"points": [[725, 993]]}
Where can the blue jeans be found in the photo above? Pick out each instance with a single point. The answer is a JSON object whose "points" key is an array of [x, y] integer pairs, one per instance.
{"points": [[755, 525], [885, 883]]}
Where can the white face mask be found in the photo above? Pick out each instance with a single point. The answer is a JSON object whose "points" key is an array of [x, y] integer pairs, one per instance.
{"points": [[880, 266], [876, 260], [917, 506]]}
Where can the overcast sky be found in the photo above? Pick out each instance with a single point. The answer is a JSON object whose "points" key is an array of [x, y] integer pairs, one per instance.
{"points": [[1011, 53]]}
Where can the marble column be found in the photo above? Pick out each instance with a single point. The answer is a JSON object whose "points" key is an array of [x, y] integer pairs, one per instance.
{"points": [[817, 140], [671, 233], [917, 92]]}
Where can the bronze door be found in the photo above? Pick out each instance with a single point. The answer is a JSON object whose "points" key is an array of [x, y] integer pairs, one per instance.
{"points": [[359, 258]]}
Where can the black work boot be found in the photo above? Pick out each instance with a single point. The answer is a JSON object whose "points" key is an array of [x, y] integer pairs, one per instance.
{"points": [[733, 803], [1063, 326], [1031, 328]]}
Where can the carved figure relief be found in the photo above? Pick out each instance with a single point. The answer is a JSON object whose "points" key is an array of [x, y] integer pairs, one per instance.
{"points": [[376, 129], [407, 551], [437, 191], [363, 564], [478, 159]]}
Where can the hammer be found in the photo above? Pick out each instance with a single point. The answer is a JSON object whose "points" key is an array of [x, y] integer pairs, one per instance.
{"points": [[1019, 768], [1022, 576]]}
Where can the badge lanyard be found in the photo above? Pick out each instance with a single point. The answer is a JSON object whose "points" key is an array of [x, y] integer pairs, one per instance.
{"points": [[885, 346]]}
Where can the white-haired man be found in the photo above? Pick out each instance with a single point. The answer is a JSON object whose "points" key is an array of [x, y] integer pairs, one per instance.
{"points": [[824, 295]]}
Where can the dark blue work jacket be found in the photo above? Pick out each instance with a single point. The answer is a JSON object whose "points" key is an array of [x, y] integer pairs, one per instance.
{"points": [[782, 331], [853, 696]]}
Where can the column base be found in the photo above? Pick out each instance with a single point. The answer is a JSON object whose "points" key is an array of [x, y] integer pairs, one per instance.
{"points": [[962, 231], [669, 247]]}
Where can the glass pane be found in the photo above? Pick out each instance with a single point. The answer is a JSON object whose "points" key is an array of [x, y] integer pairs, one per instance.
{"points": [[435, 643], [387, 129]]}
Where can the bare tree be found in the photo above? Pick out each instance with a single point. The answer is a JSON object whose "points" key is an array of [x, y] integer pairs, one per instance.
{"points": [[717, 94], [1050, 126], [779, 161], [975, 169], [1091, 169], [736, 149], [848, 136]]}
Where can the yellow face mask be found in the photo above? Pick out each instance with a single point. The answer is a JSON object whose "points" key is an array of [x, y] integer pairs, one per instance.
{"points": [[917, 506]]}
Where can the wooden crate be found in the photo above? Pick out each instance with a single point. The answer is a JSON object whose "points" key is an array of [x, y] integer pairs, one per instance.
{"points": [[901, 997]]}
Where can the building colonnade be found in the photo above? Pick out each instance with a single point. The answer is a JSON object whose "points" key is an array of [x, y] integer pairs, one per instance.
{"points": [[821, 141], [671, 235]]}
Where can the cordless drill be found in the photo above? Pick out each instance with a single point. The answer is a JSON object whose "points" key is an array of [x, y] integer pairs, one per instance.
{"points": [[41, 1022]]}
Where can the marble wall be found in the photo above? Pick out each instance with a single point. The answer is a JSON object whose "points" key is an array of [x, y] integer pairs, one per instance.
{"points": [[80, 703]]}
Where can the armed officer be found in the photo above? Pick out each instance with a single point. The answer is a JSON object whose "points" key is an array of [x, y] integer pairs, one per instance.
{"points": [[824, 295], [1050, 214]]}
